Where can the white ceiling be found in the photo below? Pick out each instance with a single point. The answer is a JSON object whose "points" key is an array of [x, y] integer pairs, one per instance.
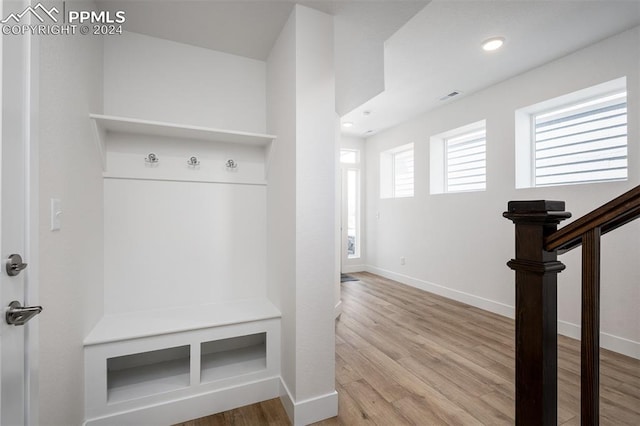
{"points": [[395, 58], [438, 50], [250, 28]]}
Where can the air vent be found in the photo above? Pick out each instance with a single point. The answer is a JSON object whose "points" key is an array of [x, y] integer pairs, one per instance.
{"points": [[450, 95]]}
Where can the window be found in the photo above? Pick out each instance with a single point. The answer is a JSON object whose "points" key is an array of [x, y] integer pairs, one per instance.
{"points": [[350, 169], [396, 172], [349, 156], [459, 159], [580, 138]]}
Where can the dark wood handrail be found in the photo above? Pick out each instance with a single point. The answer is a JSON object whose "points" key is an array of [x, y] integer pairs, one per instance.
{"points": [[608, 217], [538, 243]]}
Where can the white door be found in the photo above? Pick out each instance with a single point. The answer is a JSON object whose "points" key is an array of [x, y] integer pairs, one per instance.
{"points": [[14, 168]]}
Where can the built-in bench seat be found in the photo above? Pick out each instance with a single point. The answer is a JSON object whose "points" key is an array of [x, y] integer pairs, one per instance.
{"points": [[171, 365]]}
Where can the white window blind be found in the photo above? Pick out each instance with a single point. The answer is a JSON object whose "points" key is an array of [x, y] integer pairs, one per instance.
{"points": [[583, 142], [466, 162], [403, 173]]}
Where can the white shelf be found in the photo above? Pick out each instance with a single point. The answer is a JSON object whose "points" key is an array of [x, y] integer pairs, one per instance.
{"points": [[137, 382], [233, 357], [110, 123], [141, 176], [106, 125], [113, 328], [233, 363]]}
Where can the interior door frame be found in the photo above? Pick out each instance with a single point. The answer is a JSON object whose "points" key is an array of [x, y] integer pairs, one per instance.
{"points": [[32, 227], [29, 67]]}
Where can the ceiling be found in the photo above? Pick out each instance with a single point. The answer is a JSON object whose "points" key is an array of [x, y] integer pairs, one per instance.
{"points": [[250, 28], [395, 58], [438, 51]]}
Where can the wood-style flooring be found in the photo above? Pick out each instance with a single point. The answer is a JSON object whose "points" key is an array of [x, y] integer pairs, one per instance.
{"points": [[407, 357]]}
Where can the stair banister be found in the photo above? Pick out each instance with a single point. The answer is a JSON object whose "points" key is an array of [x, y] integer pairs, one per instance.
{"points": [[538, 242]]}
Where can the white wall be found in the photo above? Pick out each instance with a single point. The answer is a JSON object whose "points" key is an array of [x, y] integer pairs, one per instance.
{"points": [[281, 192], [170, 244], [155, 79], [457, 244], [70, 259], [178, 243], [300, 212], [315, 198]]}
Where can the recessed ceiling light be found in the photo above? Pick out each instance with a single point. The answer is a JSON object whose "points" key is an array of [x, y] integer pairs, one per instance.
{"points": [[494, 43], [347, 124]]}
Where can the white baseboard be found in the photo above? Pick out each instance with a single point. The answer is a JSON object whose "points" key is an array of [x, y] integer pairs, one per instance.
{"points": [[193, 407], [348, 269], [460, 296], [607, 341], [309, 410]]}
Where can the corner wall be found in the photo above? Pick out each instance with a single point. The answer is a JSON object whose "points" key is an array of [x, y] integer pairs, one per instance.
{"points": [[457, 245], [300, 211], [71, 269], [150, 78]]}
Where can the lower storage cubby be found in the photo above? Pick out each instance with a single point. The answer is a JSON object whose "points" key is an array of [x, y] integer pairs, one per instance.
{"points": [[231, 357], [148, 373], [170, 366]]}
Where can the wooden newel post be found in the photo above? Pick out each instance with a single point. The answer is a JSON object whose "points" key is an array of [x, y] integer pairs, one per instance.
{"points": [[536, 310]]}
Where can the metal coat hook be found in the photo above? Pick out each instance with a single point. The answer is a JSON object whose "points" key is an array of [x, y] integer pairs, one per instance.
{"points": [[231, 165], [193, 161], [152, 158]]}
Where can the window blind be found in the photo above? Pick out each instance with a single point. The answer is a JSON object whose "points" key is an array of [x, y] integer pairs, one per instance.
{"points": [[466, 162], [403, 173], [584, 142]]}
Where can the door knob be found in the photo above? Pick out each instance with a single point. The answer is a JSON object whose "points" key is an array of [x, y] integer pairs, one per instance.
{"points": [[20, 315], [15, 265]]}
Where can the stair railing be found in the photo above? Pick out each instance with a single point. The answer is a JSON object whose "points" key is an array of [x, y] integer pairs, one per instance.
{"points": [[538, 243]]}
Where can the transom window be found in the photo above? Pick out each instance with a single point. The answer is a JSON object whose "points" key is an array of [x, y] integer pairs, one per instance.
{"points": [[396, 172], [466, 168], [582, 142], [573, 139], [458, 159]]}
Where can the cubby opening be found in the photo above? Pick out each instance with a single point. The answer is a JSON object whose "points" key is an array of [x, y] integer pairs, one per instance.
{"points": [[234, 356], [148, 373]]}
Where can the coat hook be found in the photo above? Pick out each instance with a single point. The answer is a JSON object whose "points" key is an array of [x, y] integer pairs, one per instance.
{"points": [[231, 165], [193, 161], [152, 158]]}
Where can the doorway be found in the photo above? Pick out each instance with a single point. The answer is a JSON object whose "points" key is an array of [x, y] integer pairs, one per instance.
{"points": [[351, 210]]}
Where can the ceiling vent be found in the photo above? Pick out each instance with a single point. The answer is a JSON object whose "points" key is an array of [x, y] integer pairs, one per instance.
{"points": [[450, 95]]}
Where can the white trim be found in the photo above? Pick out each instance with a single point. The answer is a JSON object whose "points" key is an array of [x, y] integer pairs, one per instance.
{"points": [[310, 410], [161, 128], [348, 269], [337, 310], [107, 175], [32, 228], [607, 341], [196, 406], [470, 299]]}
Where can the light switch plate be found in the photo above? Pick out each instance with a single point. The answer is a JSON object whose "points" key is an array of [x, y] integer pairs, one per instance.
{"points": [[56, 213]]}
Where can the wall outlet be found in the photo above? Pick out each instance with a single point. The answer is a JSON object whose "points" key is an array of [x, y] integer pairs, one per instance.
{"points": [[403, 261]]}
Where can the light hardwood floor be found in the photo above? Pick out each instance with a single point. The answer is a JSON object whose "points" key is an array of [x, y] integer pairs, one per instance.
{"points": [[407, 357]]}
